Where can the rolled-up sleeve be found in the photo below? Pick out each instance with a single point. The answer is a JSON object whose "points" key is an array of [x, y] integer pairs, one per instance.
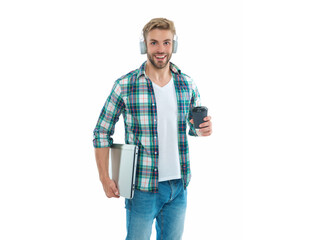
{"points": [[195, 102], [109, 116]]}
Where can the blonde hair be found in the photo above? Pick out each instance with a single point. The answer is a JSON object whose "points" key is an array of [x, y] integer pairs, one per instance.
{"points": [[160, 23]]}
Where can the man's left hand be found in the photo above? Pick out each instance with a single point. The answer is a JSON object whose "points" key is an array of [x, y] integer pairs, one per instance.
{"points": [[206, 127]]}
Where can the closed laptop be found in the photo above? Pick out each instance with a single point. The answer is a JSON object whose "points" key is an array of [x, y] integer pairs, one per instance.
{"points": [[123, 168]]}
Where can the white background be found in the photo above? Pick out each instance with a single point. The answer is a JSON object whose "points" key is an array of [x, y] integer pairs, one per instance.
{"points": [[265, 70]]}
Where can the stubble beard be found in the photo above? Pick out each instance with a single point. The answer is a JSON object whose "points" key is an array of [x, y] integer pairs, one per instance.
{"points": [[159, 65]]}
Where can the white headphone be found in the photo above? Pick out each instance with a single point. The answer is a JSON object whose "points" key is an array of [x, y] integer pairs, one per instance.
{"points": [[143, 46]]}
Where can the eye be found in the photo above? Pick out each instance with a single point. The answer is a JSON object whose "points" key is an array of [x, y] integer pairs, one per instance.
{"points": [[166, 43], [153, 43]]}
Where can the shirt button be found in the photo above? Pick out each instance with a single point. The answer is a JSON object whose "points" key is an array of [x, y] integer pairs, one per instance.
{"points": [[155, 169], [156, 153], [153, 104]]}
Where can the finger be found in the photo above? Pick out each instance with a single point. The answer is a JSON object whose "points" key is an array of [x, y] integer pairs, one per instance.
{"points": [[114, 193], [191, 121], [206, 133], [206, 124], [208, 118], [110, 194], [111, 189], [206, 130], [114, 189]]}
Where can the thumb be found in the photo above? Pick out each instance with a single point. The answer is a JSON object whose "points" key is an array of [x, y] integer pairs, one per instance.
{"points": [[114, 188]]}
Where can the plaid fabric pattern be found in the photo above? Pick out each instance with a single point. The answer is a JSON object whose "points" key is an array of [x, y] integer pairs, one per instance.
{"points": [[133, 96]]}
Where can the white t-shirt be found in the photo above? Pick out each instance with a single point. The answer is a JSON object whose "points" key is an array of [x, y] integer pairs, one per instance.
{"points": [[167, 127]]}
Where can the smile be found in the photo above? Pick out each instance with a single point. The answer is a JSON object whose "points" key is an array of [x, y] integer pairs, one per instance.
{"points": [[160, 57]]}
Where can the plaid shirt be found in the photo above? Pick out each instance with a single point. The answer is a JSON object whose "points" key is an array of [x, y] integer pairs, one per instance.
{"points": [[133, 97]]}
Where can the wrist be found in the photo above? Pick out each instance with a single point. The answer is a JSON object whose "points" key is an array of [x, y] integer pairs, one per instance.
{"points": [[104, 178]]}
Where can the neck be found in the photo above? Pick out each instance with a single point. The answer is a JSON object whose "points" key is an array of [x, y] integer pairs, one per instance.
{"points": [[158, 75]]}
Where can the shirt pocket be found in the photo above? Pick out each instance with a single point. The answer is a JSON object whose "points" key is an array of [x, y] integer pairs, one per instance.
{"points": [[183, 102]]}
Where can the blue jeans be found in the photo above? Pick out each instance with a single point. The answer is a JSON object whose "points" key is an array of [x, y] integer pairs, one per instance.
{"points": [[168, 207]]}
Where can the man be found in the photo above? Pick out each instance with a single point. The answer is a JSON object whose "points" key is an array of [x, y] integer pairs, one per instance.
{"points": [[155, 101]]}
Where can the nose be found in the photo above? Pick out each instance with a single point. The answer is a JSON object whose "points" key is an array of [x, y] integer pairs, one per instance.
{"points": [[160, 48]]}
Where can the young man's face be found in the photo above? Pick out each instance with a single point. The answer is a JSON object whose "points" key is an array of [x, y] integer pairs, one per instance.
{"points": [[159, 47]]}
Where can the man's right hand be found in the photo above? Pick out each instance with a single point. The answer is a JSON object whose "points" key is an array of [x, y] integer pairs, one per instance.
{"points": [[110, 188]]}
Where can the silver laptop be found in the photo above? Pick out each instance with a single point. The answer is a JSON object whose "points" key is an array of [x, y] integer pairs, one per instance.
{"points": [[123, 168]]}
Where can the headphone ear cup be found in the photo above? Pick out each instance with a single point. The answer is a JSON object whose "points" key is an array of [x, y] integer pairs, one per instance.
{"points": [[175, 46], [143, 47]]}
